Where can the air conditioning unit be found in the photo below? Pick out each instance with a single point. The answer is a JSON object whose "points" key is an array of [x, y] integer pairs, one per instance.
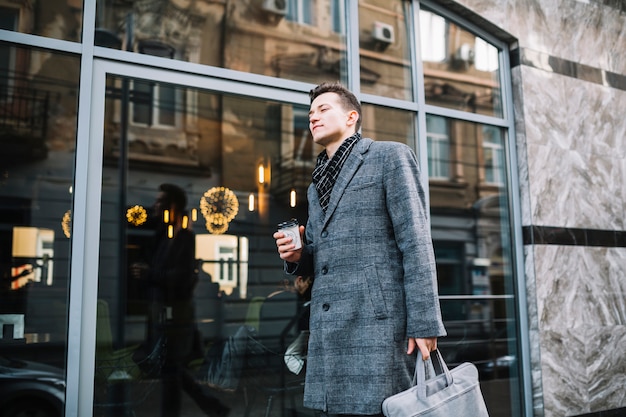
{"points": [[278, 7], [383, 32], [465, 53]]}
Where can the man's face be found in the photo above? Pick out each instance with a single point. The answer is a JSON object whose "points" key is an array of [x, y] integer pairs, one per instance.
{"points": [[159, 205], [329, 122]]}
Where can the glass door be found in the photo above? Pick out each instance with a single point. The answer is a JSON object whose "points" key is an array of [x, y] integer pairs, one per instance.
{"points": [[193, 310]]}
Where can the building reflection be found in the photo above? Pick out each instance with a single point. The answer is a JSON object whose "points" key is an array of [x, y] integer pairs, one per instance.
{"points": [[256, 154]]}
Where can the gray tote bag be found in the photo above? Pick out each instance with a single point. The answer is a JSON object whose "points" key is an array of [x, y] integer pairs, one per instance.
{"points": [[451, 393]]}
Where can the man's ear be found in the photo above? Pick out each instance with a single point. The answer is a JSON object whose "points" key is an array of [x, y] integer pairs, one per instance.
{"points": [[353, 117]]}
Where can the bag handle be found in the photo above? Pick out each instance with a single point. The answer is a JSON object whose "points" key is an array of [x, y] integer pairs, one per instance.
{"points": [[419, 378]]}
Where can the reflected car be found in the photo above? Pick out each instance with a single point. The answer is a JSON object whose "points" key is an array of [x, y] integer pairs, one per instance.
{"points": [[30, 389]]}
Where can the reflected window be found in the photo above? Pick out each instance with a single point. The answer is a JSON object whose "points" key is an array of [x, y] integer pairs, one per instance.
{"points": [[154, 104], [461, 70], [8, 18], [438, 147], [494, 155], [59, 19], [486, 56], [384, 123], [433, 37], [384, 48], [338, 15], [300, 11], [267, 37]]}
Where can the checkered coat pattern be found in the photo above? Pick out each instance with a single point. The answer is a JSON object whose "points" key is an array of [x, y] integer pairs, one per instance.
{"points": [[375, 280]]}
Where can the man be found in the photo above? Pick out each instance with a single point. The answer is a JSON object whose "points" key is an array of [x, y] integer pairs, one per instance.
{"points": [[368, 244], [170, 280]]}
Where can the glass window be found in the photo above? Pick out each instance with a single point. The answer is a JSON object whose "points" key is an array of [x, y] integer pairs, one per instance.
{"points": [[338, 15], [38, 109], [194, 309], [486, 56], [384, 49], [473, 245], [438, 140], [385, 123], [300, 11], [59, 19], [493, 153], [461, 70], [8, 18], [292, 39], [154, 104], [433, 39]]}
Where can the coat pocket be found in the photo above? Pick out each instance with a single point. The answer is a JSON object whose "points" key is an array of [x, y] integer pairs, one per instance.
{"points": [[375, 292]]}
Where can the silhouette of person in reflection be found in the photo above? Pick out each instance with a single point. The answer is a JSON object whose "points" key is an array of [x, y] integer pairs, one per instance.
{"points": [[170, 279], [259, 346]]}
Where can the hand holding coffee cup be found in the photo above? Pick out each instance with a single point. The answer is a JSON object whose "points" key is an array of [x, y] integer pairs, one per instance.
{"points": [[291, 229]]}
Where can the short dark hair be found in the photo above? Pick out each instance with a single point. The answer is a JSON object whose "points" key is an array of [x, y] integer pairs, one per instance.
{"points": [[347, 98], [175, 196]]}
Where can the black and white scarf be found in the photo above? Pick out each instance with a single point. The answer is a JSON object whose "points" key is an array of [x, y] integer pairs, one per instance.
{"points": [[327, 170]]}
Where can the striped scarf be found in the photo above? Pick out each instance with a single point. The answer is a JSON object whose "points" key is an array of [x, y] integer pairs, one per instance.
{"points": [[327, 170]]}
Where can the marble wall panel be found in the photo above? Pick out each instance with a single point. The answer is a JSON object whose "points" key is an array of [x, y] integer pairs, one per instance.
{"points": [[624, 188], [533, 331], [573, 114], [587, 32], [564, 372], [606, 367], [520, 143], [581, 304], [575, 151], [580, 286], [583, 370], [569, 189]]}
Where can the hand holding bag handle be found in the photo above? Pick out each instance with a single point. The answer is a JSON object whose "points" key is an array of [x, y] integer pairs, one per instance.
{"points": [[420, 377], [453, 392]]}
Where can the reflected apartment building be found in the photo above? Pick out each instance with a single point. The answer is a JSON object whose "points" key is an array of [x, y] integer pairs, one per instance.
{"points": [[103, 102]]}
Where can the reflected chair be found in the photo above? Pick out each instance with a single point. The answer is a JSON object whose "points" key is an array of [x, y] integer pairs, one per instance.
{"points": [[270, 376], [108, 359], [115, 369]]}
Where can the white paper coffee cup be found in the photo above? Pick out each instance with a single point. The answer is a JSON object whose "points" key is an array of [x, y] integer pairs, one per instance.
{"points": [[291, 229]]}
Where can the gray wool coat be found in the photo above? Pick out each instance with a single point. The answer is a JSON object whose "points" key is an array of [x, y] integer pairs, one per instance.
{"points": [[375, 280]]}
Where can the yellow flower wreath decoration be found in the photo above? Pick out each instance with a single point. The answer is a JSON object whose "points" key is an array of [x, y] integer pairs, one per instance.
{"points": [[218, 205]]}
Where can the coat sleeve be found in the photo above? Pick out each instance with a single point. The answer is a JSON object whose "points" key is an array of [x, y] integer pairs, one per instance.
{"points": [[406, 206]]}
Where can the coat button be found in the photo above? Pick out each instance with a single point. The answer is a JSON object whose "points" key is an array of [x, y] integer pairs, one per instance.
{"points": [[325, 233], [325, 307], [325, 270]]}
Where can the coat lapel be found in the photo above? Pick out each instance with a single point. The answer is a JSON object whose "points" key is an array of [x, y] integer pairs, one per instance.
{"points": [[349, 169]]}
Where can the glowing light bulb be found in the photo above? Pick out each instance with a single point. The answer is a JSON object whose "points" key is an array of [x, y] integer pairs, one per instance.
{"points": [[292, 197]]}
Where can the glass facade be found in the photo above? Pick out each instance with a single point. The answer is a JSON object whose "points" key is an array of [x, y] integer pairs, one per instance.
{"points": [[189, 149], [461, 70], [38, 115], [384, 48]]}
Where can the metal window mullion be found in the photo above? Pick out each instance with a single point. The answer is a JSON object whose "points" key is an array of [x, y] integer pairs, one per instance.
{"points": [[465, 116], [352, 47], [26, 39], [420, 97], [84, 246], [517, 251]]}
